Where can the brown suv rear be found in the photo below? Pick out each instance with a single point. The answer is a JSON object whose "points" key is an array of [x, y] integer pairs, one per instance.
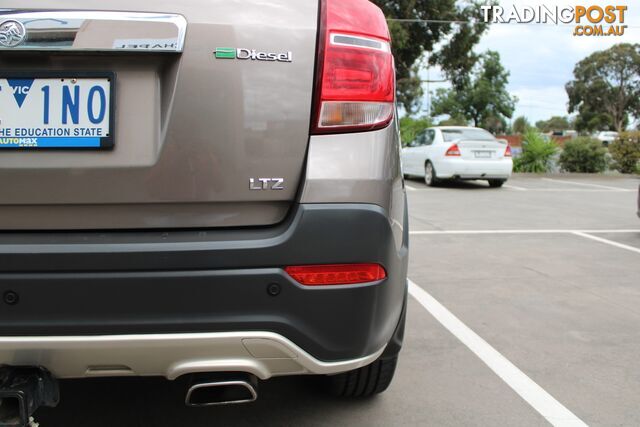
{"points": [[201, 190]]}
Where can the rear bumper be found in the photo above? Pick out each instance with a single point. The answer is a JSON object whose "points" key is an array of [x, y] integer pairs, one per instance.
{"points": [[475, 169], [96, 288], [263, 354]]}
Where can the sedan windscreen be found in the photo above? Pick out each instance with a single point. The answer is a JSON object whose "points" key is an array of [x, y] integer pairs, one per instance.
{"points": [[466, 134]]}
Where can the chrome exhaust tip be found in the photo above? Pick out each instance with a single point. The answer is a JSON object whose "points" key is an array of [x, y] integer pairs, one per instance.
{"points": [[222, 389]]}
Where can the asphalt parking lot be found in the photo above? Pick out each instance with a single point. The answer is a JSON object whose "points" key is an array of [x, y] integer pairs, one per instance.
{"points": [[525, 311]]}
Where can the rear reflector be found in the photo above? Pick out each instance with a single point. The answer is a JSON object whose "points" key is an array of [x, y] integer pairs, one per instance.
{"points": [[356, 74], [453, 151], [336, 274], [507, 152]]}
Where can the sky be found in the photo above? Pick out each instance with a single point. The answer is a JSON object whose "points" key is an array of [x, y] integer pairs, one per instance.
{"points": [[541, 57]]}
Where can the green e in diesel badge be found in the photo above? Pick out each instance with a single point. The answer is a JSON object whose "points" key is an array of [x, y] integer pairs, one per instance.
{"points": [[252, 54], [225, 53]]}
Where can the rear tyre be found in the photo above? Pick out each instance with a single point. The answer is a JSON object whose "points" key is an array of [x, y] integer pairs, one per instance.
{"points": [[366, 381], [430, 177], [496, 183]]}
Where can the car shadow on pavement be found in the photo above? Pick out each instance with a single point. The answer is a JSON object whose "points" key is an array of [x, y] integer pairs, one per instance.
{"points": [[455, 184], [157, 402]]}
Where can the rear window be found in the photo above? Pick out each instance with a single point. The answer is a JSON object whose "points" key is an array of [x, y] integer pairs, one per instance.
{"points": [[467, 134]]}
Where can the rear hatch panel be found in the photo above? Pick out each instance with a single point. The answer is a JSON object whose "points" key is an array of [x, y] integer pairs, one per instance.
{"points": [[191, 129]]}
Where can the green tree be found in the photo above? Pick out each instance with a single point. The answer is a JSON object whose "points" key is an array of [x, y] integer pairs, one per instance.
{"points": [[454, 121], [413, 36], [410, 128], [521, 125], [494, 124], [555, 123], [606, 88], [483, 99]]}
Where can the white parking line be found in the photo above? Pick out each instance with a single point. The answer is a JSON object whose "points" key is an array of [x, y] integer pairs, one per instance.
{"points": [[532, 393], [545, 190], [551, 231], [586, 184], [578, 190], [514, 187], [608, 242]]}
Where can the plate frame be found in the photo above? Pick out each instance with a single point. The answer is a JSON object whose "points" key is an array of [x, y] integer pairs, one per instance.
{"points": [[477, 152], [106, 143]]}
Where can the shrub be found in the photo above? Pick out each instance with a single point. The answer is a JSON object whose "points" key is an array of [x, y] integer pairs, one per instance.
{"points": [[583, 154], [625, 152], [537, 154]]}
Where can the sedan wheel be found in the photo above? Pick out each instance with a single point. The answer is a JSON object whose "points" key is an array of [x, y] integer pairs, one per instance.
{"points": [[430, 175]]}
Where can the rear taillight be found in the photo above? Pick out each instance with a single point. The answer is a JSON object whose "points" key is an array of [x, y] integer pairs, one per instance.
{"points": [[336, 274], [453, 151], [356, 76], [507, 152]]}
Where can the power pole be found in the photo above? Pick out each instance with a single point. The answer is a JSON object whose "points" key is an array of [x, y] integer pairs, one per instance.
{"points": [[428, 81]]}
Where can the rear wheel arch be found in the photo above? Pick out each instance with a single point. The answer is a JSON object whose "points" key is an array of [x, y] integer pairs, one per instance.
{"points": [[426, 161], [430, 174]]}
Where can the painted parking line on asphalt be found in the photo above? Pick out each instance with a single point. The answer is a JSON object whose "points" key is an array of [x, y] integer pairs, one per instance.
{"points": [[543, 231], [544, 190], [606, 241], [515, 187], [545, 404], [578, 190], [586, 184]]}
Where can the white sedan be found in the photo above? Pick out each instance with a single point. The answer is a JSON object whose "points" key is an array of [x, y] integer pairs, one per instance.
{"points": [[607, 137], [454, 152]]}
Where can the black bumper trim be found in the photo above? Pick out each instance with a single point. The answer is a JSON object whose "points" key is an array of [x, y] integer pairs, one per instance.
{"points": [[210, 281]]}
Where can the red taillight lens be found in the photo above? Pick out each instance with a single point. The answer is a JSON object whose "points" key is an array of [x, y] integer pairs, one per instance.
{"points": [[336, 274], [453, 151], [507, 152], [356, 87]]}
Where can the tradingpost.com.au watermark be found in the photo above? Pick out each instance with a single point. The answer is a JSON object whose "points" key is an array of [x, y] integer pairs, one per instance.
{"points": [[589, 20]]}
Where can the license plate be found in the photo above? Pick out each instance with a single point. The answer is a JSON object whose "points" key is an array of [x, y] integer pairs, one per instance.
{"points": [[483, 154], [39, 111]]}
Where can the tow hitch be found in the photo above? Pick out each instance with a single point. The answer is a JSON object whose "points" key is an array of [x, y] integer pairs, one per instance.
{"points": [[22, 391]]}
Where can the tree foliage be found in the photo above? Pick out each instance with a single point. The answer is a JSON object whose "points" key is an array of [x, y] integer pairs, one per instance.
{"points": [[521, 125], [483, 99], [554, 124], [412, 38], [454, 121], [410, 128], [606, 88]]}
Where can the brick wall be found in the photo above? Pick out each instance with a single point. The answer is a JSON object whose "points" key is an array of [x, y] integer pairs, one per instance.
{"points": [[516, 140]]}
